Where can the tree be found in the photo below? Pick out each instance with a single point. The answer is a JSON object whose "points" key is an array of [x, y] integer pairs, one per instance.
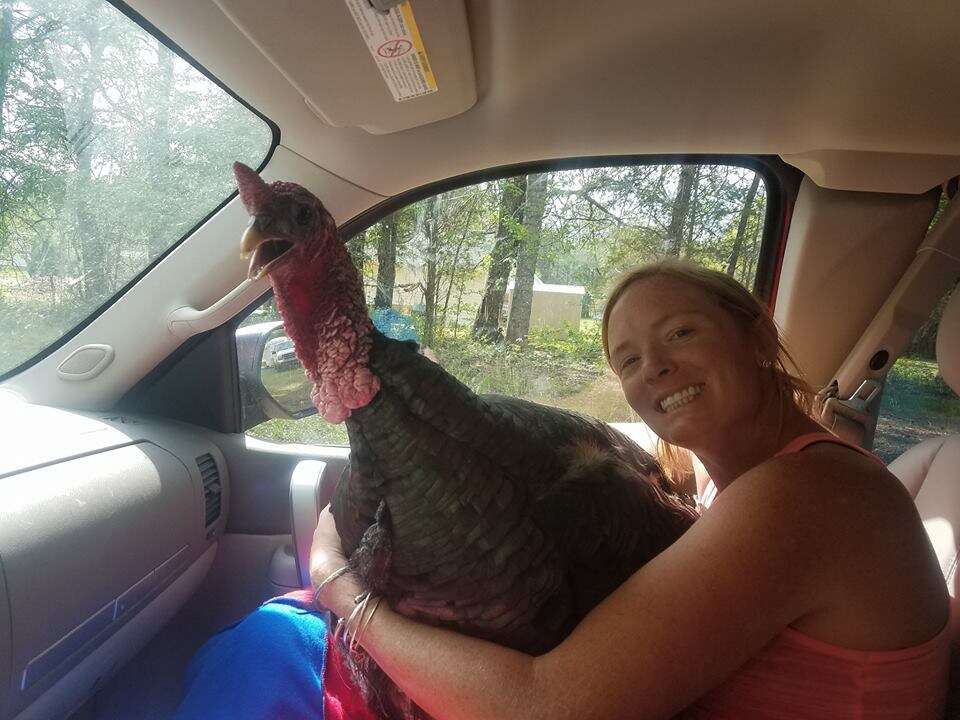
{"points": [[8, 49], [745, 215], [431, 231], [111, 148], [694, 210], [88, 242], [386, 262], [518, 325], [673, 241], [357, 249], [502, 256]]}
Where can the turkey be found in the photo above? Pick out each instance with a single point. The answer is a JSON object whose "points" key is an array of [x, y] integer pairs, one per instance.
{"points": [[495, 516]]}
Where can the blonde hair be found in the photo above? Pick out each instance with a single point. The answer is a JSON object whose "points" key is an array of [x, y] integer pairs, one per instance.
{"points": [[789, 387]]}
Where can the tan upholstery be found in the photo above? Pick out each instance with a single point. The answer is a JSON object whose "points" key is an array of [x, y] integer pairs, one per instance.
{"points": [[931, 469], [948, 343]]}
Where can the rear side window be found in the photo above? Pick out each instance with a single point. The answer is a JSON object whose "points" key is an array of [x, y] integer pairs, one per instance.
{"points": [[505, 281], [111, 149], [917, 404]]}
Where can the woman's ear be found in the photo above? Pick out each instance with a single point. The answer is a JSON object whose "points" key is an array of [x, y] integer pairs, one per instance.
{"points": [[766, 342]]}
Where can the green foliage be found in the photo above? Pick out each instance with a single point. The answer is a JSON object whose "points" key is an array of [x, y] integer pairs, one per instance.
{"points": [[915, 388], [111, 149], [553, 365], [597, 223], [916, 405], [548, 367], [582, 345], [313, 430]]}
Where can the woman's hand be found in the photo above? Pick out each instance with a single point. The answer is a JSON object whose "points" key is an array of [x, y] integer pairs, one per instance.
{"points": [[326, 557]]}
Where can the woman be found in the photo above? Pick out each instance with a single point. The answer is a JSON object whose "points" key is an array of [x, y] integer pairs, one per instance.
{"points": [[807, 590]]}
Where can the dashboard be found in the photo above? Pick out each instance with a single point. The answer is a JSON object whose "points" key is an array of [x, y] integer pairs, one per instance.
{"points": [[108, 523]]}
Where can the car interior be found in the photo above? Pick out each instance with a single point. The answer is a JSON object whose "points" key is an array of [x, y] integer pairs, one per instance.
{"points": [[138, 516]]}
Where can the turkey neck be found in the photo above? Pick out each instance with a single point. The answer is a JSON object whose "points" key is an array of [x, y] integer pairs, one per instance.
{"points": [[325, 314]]}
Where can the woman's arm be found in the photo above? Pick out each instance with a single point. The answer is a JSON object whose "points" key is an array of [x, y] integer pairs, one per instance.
{"points": [[675, 629]]}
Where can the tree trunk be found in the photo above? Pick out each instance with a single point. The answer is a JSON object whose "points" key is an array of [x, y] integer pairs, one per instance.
{"points": [[681, 206], [386, 262], [90, 241], [519, 323], [356, 247], [742, 226], [751, 257], [487, 324], [694, 207], [8, 52], [456, 317], [161, 156], [453, 277], [433, 249]]}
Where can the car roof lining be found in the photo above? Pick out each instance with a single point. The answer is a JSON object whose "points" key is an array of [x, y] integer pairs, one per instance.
{"points": [[850, 93]]}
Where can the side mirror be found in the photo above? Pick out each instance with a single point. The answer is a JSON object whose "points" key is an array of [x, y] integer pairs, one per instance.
{"points": [[272, 381]]}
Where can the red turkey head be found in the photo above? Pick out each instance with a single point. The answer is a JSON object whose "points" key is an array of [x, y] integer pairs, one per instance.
{"points": [[288, 223]]}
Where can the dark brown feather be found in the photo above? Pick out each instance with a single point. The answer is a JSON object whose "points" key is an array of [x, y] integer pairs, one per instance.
{"points": [[497, 517]]}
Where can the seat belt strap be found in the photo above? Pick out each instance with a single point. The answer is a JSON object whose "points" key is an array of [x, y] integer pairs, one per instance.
{"points": [[935, 266]]}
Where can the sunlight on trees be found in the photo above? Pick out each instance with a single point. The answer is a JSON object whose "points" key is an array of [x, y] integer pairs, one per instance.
{"points": [[476, 246], [506, 280], [111, 149]]}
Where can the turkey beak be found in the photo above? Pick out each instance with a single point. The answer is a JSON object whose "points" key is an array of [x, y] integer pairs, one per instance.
{"points": [[252, 239]]}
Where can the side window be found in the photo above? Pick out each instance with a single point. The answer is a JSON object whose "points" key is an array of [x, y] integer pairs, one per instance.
{"points": [[111, 149], [917, 404], [505, 281]]}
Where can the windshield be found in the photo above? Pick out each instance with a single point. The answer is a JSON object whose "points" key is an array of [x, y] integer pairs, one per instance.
{"points": [[111, 149]]}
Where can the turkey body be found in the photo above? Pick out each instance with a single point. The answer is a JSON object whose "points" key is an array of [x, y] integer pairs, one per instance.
{"points": [[495, 516]]}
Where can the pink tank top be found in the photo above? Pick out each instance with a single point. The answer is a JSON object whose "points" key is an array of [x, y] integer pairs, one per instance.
{"points": [[797, 677]]}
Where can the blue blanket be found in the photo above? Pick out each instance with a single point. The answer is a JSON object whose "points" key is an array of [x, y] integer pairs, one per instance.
{"points": [[269, 666]]}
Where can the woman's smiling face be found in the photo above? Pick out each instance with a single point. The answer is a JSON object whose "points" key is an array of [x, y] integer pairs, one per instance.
{"points": [[685, 364]]}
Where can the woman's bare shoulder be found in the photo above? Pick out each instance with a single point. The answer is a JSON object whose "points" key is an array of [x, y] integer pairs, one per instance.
{"points": [[825, 472], [827, 496]]}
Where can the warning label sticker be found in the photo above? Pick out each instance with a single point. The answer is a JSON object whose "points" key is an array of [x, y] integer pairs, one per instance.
{"points": [[395, 44]]}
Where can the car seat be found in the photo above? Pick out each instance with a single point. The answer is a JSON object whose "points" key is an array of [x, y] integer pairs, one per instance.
{"points": [[930, 471]]}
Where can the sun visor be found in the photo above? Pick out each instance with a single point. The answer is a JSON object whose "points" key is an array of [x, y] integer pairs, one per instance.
{"points": [[355, 65]]}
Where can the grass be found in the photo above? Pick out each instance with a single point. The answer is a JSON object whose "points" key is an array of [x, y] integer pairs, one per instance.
{"points": [[916, 405], [565, 367], [28, 325], [556, 366]]}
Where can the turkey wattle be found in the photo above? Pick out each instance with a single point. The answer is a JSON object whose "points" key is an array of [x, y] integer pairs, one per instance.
{"points": [[495, 516]]}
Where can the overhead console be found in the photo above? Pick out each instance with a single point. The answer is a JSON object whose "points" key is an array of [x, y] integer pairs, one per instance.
{"points": [[108, 524]]}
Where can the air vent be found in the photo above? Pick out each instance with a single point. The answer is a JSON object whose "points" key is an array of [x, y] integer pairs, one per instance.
{"points": [[211, 488]]}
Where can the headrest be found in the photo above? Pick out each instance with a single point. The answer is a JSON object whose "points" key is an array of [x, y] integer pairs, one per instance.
{"points": [[948, 343]]}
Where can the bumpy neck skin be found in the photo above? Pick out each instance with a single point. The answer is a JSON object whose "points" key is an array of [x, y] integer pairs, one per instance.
{"points": [[323, 308]]}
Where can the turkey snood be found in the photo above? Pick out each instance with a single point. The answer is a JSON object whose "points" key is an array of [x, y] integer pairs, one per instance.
{"points": [[494, 516]]}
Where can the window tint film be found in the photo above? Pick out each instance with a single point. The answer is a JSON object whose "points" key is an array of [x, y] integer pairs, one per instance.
{"points": [[505, 281], [111, 149]]}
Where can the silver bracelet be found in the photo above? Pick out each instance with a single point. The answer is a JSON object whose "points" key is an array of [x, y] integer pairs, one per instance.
{"points": [[364, 623], [354, 626], [339, 572]]}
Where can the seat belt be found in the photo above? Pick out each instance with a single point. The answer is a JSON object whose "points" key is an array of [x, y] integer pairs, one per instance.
{"points": [[934, 268], [851, 419]]}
